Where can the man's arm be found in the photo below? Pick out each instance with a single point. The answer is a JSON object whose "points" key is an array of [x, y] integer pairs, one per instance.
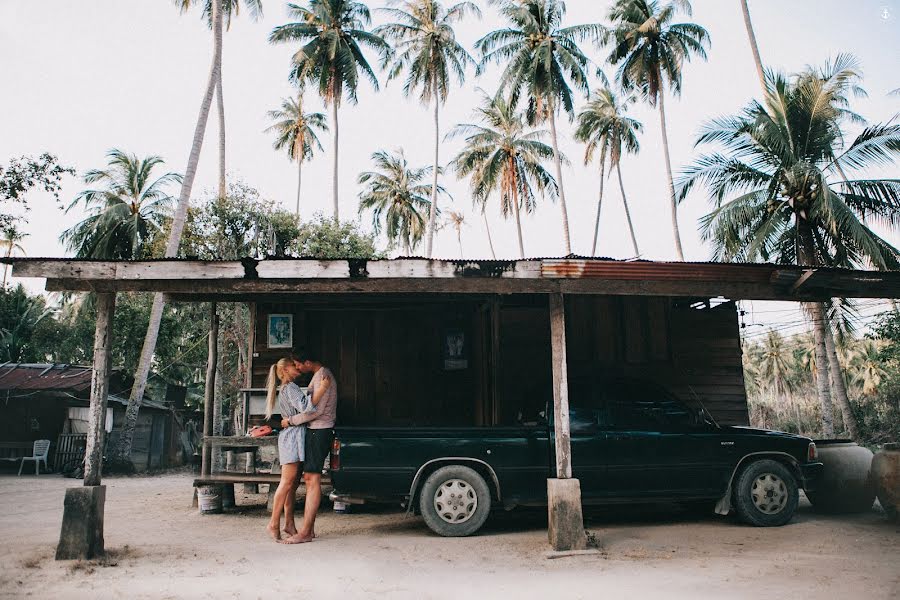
{"points": [[321, 389]]}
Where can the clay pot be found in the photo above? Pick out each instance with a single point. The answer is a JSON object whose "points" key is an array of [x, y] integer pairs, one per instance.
{"points": [[845, 485], [886, 479]]}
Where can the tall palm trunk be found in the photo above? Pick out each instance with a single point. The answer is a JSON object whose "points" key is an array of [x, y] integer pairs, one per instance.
{"points": [[634, 243], [823, 383], [9, 250], [123, 450], [334, 182], [559, 180], [599, 200], [459, 241], [299, 180], [838, 386], [432, 212], [220, 109], [487, 228], [515, 198], [665, 140], [753, 46]]}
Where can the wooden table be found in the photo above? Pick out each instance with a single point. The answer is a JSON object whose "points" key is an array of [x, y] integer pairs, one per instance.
{"points": [[14, 451]]}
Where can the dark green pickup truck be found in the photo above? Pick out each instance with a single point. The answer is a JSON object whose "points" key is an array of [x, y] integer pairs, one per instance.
{"points": [[635, 444]]}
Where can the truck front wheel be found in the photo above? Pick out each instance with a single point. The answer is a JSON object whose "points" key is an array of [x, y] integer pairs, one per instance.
{"points": [[455, 501], [766, 494]]}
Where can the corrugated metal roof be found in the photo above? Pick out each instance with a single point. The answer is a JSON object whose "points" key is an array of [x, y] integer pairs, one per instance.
{"points": [[25, 379], [46, 377]]}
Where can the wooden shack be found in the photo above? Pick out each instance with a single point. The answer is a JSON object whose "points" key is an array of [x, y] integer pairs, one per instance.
{"points": [[415, 341]]}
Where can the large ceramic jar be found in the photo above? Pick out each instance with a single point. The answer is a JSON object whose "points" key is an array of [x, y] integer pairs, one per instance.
{"points": [[886, 479], [845, 485]]}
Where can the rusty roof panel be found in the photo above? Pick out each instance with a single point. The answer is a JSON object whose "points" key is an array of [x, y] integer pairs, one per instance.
{"points": [[46, 377]]}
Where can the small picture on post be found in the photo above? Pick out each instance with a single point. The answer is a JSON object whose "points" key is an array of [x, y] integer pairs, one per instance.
{"points": [[281, 331], [455, 350]]}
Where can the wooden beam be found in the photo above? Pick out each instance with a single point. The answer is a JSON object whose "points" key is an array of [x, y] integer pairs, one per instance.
{"points": [[803, 280], [93, 453], [560, 387], [209, 393]]}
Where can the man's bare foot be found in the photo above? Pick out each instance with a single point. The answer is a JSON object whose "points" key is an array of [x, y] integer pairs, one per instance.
{"points": [[296, 539], [274, 532]]}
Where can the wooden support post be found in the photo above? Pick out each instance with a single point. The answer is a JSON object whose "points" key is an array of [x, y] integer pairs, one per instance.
{"points": [[494, 398], [565, 523], [93, 452], [560, 387], [209, 395], [81, 534]]}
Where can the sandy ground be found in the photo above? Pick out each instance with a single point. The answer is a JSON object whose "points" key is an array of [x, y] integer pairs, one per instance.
{"points": [[161, 548]]}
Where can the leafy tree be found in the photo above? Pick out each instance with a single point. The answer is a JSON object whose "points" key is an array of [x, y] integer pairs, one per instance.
{"points": [[20, 315], [542, 60], [324, 238], [237, 225], [332, 33], [603, 125], [651, 50], [296, 132], [125, 213], [426, 48], [774, 190], [398, 195], [23, 174], [504, 156]]}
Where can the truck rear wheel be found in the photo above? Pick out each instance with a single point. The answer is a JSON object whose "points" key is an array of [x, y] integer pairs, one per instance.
{"points": [[766, 494], [455, 501]]}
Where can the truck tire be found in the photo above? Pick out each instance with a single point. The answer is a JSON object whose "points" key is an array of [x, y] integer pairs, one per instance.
{"points": [[455, 501], [766, 494]]}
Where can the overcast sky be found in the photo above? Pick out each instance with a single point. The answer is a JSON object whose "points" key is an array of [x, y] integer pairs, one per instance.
{"points": [[82, 77]]}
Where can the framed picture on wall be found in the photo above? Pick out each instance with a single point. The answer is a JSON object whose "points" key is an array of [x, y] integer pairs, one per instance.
{"points": [[455, 350], [281, 331]]}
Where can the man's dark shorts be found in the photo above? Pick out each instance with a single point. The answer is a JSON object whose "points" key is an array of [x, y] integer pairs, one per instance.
{"points": [[317, 448]]}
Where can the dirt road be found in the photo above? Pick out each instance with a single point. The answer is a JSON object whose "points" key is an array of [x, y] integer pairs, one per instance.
{"points": [[161, 548]]}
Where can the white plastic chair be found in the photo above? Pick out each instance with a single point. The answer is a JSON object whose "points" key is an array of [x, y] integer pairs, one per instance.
{"points": [[38, 454]]}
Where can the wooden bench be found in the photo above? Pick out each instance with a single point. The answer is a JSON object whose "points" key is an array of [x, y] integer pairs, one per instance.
{"points": [[14, 451]]}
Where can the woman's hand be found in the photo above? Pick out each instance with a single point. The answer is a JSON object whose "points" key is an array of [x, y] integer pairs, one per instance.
{"points": [[285, 423]]}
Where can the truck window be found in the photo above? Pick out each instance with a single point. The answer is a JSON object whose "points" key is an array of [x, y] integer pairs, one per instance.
{"points": [[645, 408]]}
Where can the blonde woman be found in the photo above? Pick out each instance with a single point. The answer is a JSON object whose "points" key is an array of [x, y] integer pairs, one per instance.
{"points": [[291, 401]]}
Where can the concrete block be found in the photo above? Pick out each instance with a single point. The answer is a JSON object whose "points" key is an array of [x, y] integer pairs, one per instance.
{"points": [[566, 524], [81, 536]]}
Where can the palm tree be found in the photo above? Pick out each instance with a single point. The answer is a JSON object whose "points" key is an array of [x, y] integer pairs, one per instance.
{"points": [[603, 124], [11, 238], [398, 196], [457, 220], [544, 62], [331, 57], [773, 196], [652, 51], [123, 449], [505, 156], [296, 131], [775, 370], [425, 46], [868, 367], [487, 229], [754, 48], [229, 8], [129, 207]]}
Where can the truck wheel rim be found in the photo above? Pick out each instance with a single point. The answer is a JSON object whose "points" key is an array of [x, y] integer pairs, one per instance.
{"points": [[769, 493], [455, 501]]}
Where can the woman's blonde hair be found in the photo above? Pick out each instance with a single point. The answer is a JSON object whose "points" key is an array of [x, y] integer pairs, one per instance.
{"points": [[276, 373]]}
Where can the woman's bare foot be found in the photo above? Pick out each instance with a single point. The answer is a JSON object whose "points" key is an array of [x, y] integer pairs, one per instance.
{"points": [[296, 539], [289, 531], [274, 532]]}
